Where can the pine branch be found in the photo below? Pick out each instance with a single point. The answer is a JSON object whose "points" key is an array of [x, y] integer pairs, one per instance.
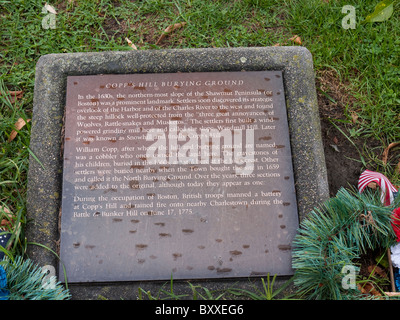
{"points": [[25, 281], [334, 235]]}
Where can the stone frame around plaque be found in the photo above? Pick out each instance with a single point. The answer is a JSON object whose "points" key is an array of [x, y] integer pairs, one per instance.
{"points": [[45, 173]]}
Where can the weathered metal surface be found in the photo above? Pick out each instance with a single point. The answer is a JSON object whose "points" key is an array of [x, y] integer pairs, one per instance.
{"points": [[188, 174]]}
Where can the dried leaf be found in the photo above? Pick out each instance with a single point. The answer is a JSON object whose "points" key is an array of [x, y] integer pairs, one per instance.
{"points": [[374, 269], [8, 221], [4, 209], [14, 95], [131, 44], [175, 26], [5, 223], [368, 288], [18, 126], [385, 154], [296, 39], [5, 212], [50, 8], [361, 288], [354, 117], [375, 292], [335, 147], [170, 29], [372, 185]]}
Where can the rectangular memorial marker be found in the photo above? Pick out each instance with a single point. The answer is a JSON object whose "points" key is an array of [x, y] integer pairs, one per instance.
{"points": [[189, 173]]}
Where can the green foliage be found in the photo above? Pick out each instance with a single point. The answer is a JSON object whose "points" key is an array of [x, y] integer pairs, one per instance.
{"points": [[207, 295], [26, 281], [13, 170], [383, 11], [366, 60], [269, 293], [333, 236], [199, 292]]}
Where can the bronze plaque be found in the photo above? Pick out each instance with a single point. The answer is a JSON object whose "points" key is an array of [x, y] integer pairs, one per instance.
{"points": [[184, 174]]}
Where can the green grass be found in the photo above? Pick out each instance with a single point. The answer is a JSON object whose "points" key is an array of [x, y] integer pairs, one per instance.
{"points": [[366, 59], [268, 290]]}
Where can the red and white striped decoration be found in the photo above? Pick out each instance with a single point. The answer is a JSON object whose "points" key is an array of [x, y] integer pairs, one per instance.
{"points": [[387, 189]]}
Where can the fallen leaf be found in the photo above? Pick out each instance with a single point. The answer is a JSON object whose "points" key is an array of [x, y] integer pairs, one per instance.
{"points": [[335, 147], [354, 117], [5, 223], [368, 288], [18, 126], [14, 95], [8, 221], [374, 269], [361, 288], [4, 209], [170, 29], [173, 27], [385, 154], [372, 185], [6, 212], [131, 44], [375, 292], [50, 8], [296, 39], [335, 140], [383, 11]]}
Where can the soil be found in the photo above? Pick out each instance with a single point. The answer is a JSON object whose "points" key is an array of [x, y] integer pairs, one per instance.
{"points": [[341, 156], [342, 170]]}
